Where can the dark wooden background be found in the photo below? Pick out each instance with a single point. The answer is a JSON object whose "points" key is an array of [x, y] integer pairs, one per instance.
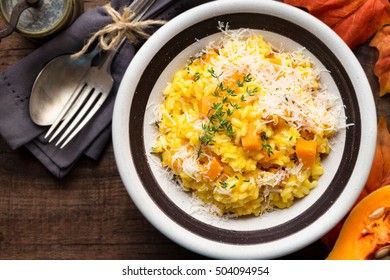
{"points": [[88, 214]]}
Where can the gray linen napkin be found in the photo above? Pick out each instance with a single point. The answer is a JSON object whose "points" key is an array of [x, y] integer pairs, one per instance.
{"points": [[16, 126]]}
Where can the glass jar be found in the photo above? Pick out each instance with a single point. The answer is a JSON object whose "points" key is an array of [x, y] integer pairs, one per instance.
{"points": [[50, 17]]}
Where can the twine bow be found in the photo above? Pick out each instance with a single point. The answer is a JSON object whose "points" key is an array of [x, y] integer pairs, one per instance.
{"points": [[122, 26]]}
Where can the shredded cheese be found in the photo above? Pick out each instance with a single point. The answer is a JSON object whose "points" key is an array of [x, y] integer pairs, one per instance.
{"points": [[285, 86], [189, 163], [230, 121]]}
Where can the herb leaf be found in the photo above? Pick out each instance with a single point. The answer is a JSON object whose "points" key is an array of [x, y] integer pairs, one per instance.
{"points": [[266, 147]]}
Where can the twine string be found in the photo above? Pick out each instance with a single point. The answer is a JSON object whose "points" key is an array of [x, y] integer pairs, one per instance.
{"points": [[123, 26]]}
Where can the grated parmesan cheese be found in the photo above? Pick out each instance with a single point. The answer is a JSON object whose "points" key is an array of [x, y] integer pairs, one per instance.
{"points": [[290, 92], [238, 86]]}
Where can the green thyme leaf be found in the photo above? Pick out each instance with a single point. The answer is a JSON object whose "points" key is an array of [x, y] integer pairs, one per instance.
{"points": [[247, 78], [197, 76]]}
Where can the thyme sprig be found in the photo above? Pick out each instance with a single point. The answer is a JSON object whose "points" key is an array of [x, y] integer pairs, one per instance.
{"points": [[197, 76], [219, 115], [266, 147], [221, 111], [225, 185], [219, 121]]}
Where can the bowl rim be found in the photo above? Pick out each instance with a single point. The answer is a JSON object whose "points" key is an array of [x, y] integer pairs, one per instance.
{"points": [[292, 242]]}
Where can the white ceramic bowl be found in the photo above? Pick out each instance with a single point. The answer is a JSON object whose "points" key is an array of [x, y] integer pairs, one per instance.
{"points": [[174, 212]]}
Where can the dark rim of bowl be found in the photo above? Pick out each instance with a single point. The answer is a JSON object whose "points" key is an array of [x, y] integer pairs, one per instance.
{"points": [[203, 29]]}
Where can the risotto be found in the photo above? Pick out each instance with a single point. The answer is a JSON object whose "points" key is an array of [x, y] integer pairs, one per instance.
{"points": [[244, 125]]}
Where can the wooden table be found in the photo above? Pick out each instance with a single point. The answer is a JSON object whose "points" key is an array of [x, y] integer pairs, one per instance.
{"points": [[88, 214]]}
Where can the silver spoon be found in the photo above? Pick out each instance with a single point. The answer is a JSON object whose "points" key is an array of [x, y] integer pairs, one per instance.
{"points": [[50, 91], [61, 76]]}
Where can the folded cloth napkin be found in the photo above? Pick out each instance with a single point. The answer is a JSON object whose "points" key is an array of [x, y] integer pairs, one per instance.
{"points": [[16, 126]]}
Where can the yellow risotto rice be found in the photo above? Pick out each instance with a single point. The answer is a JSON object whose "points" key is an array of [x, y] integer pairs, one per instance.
{"points": [[244, 125]]}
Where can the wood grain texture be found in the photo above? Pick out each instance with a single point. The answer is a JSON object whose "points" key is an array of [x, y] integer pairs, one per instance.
{"points": [[88, 214]]}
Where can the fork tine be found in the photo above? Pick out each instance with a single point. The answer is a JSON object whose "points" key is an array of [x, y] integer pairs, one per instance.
{"points": [[81, 95], [82, 110], [88, 106], [83, 102], [66, 109], [87, 113]]}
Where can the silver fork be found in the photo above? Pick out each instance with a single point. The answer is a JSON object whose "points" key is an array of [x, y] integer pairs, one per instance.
{"points": [[91, 92]]}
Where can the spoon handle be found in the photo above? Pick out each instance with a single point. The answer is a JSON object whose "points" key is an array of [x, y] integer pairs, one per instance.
{"points": [[140, 8]]}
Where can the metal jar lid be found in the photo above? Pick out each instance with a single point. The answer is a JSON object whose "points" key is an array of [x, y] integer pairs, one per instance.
{"points": [[48, 18]]}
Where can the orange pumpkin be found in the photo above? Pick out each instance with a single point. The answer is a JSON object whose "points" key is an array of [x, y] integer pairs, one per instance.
{"points": [[306, 151], [379, 175], [366, 232]]}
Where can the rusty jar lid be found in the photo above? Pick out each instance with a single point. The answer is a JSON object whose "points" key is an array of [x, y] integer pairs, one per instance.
{"points": [[48, 18]]}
